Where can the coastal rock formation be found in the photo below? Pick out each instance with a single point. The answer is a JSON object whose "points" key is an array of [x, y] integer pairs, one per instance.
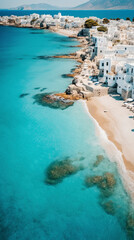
{"points": [[68, 97], [67, 56], [100, 158], [69, 75], [58, 170], [36, 88], [91, 181], [105, 183], [108, 207], [130, 225], [23, 95], [71, 88], [74, 56], [61, 100]]}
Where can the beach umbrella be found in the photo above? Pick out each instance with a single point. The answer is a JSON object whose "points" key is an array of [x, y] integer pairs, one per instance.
{"points": [[130, 100]]}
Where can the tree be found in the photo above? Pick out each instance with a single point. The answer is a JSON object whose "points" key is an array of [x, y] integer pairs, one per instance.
{"points": [[90, 23], [117, 19], [105, 21], [102, 29], [128, 19], [133, 19]]}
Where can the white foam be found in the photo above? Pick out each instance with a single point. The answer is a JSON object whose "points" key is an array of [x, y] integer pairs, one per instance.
{"points": [[113, 153]]}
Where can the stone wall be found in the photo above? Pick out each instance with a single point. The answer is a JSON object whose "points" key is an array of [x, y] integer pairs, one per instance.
{"points": [[126, 94], [98, 91]]}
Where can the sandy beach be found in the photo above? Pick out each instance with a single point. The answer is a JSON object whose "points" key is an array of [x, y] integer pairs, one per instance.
{"points": [[118, 124], [65, 32]]}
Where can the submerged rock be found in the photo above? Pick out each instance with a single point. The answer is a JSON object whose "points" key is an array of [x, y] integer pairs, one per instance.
{"points": [[23, 95], [105, 183], [61, 101], [69, 75], [91, 181], [43, 89], [58, 170], [36, 88], [130, 225], [65, 56], [108, 207], [108, 181], [100, 158]]}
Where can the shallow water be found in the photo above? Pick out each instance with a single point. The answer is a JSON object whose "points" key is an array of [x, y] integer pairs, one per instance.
{"points": [[33, 136]]}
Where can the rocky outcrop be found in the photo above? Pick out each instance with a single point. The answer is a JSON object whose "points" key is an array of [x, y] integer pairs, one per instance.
{"points": [[23, 95], [68, 97], [108, 207], [59, 170], [100, 158], [130, 226], [71, 88], [69, 75], [60, 101], [105, 183], [67, 56]]}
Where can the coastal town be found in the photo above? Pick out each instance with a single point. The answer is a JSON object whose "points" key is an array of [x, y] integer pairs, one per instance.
{"points": [[108, 54], [69, 125], [104, 74]]}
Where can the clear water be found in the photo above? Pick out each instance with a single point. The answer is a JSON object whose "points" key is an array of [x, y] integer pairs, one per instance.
{"points": [[123, 14], [33, 136]]}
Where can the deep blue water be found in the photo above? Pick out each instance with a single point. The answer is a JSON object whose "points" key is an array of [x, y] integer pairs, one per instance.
{"points": [[33, 136], [77, 13]]}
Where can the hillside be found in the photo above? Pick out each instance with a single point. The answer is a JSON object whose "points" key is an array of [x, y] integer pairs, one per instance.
{"points": [[40, 6], [108, 4], [90, 5]]}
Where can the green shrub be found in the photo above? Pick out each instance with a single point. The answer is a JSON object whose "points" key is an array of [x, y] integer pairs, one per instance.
{"points": [[102, 29], [105, 21], [33, 21], [90, 23]]}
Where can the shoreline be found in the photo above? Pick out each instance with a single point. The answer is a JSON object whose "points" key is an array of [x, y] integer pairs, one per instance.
{"points": [[111, 141], [112, 138], [105, 123]]}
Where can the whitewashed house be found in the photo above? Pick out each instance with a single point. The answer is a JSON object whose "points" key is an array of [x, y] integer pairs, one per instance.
{"points": [[104, 67]]}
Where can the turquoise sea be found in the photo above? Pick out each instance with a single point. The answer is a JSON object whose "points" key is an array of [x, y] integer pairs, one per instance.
{"points": [[123, 14], [33, 136]]}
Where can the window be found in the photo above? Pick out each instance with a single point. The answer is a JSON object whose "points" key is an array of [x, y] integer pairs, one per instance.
{"points": [[102, 64], [114, 78], [106, 63], [107, 71]]}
